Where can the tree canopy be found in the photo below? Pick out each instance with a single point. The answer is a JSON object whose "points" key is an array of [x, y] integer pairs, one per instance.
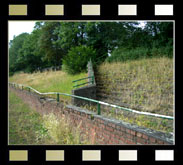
{"points": [[55, 43]]}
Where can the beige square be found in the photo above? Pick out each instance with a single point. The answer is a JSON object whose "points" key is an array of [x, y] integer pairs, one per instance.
{"points": [[90, 9], [91, 155], [127, 9], [127, 155], [18, 155], [17, 9], [54, 155], [54, 9]]}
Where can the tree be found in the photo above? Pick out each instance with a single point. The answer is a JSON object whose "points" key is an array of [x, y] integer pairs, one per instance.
{"points": [[30, 55], [53, 52], [77, 59], [161, 33], [14, 48]]}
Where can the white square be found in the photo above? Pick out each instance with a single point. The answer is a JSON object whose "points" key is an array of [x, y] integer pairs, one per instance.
{"points": [[164, 155], [163, 9]]}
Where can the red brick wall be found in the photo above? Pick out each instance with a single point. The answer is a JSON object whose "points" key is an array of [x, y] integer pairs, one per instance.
{"points": [[100, 129]]}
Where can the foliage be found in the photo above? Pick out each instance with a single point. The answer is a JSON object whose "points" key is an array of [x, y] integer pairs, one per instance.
{"points": [[51, 43], [124, 54], [77, 58], [53, 52], [48, 81], [26, 126], [14, 47]]}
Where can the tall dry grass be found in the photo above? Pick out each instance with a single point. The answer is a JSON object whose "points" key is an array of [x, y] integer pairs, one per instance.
{"points": [[145, 85]]}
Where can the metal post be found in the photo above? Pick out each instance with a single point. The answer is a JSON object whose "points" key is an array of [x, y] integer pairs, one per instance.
{"points": [[58, 97], [98, 109], [22, 88]]}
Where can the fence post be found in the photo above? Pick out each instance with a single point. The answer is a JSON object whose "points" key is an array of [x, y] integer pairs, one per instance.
{"points": [[58, 97], [98, 109]]}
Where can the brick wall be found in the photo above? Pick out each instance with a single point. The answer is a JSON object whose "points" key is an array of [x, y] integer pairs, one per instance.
{"points": [[102, 130]]}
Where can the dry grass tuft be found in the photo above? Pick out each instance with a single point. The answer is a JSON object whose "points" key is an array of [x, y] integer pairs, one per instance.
{"points": [[145, 85]]}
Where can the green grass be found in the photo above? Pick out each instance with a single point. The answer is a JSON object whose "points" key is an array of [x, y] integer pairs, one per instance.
{"points": [[24, 123], [49, 81], [26, 126]]}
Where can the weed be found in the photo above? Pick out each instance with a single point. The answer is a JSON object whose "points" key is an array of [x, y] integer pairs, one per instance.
{"points": [[26, 126]]}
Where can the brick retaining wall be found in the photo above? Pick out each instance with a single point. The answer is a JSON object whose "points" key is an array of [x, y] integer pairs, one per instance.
{"points": [[103, 130]]}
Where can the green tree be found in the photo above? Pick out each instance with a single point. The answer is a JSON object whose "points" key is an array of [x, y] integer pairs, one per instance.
{"points": [[53, 52], [14, 48], [30, 55], [77, 59]]}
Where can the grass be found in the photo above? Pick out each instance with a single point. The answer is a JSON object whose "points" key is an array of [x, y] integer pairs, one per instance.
{"points": [[145, 85], [50, 81], [26, 126]]}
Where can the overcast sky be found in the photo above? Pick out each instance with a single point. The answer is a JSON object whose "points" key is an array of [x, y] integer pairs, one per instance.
{"points": [[18, 27]]}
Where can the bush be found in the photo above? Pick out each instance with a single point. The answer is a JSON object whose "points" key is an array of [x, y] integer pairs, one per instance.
{"points": [[162, 51], [77, 59], [123, 54]]}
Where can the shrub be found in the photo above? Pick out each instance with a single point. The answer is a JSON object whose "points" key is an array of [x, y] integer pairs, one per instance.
{"points": [[77, 58], [124, 54]]}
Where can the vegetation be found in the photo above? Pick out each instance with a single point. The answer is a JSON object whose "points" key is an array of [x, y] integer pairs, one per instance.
{"points": [[26, 126], [146, 85], [123, 54], [77, 58], [72, 43], [49, 81], [136, 63]]}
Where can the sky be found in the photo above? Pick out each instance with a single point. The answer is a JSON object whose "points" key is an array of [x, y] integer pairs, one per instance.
{"points": [[18, 27]]}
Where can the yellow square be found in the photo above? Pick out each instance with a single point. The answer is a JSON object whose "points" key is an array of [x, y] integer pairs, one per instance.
{"points": [[18, 155], [54, 155], [17, 9], [54, 9], [90, 9]]}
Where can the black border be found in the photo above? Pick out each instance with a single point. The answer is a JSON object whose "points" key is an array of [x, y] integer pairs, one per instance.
{"points": [[72, 11]]}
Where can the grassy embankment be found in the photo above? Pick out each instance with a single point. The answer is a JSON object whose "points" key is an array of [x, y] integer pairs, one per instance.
{"points": [[26, 126], [144, 85], [49, 81]]}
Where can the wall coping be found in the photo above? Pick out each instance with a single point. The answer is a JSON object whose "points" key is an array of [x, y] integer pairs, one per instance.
{"points": [[167, 137]]}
